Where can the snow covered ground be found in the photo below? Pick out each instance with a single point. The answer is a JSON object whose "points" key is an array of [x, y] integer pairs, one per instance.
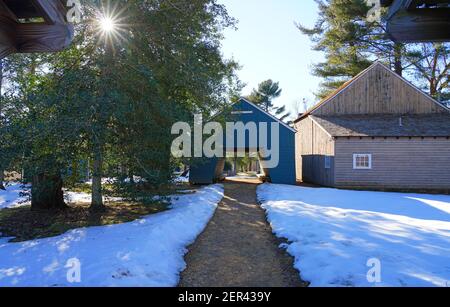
{"points": [[335, 235], [85, 198], [147, 252], [12, 196]]}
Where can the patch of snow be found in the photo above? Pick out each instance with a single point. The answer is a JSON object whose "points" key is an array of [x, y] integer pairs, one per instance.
{"points": [[12, 198], [136, 179], [334, 233], [181, 179], [104, 181], [241, 177], [147, 252], [85, 198]]}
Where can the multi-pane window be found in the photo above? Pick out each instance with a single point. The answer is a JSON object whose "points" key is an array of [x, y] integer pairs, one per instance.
{"points": [[362, 161]]}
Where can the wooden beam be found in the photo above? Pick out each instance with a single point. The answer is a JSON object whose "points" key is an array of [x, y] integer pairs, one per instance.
{"points": [[398, 6], [23, 8], [420, 25], [386, 3], [30, 36], [430, 2]]}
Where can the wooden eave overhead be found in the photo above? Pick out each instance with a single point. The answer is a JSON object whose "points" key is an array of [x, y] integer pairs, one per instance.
{"points": [[412, 21], [28, 26]]}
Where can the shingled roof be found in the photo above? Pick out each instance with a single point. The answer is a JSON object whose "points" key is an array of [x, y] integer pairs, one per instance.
{"points": [[435, 125]]}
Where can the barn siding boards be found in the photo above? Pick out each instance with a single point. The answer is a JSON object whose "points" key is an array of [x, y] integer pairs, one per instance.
{"points": [[378, 113], [416, 163], [378, 90], [314, 144], [246, 112], [284, 173]]}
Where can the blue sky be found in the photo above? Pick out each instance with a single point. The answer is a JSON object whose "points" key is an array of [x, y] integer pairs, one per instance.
{"points": [[269, 46]]}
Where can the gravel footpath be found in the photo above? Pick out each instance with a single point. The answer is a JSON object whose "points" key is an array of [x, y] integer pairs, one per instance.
{"points": [[238, 249]]}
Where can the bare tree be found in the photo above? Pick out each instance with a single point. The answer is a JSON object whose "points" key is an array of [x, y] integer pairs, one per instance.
{"points": [[432, 66]]}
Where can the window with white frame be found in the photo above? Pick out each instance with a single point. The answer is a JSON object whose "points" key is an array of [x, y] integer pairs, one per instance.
{"points": [[327, 162], [362, 161]]}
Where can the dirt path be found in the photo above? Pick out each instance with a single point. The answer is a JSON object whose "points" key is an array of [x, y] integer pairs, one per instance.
{"points": [[238, 249]]}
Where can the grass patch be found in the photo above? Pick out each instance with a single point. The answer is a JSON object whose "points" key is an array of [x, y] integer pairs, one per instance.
{"points": [[22, 224]]}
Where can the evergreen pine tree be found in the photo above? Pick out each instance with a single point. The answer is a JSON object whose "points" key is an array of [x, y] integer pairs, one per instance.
{"points": [[264, 95]]}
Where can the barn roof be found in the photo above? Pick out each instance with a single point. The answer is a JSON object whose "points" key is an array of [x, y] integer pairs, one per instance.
{"points": [[268, 114], [427, 125], [246, 101]]}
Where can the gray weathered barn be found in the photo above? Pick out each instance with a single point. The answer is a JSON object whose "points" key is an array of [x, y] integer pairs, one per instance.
{"points": [[377, 131]]}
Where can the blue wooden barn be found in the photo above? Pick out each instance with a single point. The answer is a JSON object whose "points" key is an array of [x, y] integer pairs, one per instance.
{"points": [[280, 137]]}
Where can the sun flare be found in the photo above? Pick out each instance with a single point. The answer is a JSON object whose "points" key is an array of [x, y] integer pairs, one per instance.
{"points": [[107, 24], [110, 26]]}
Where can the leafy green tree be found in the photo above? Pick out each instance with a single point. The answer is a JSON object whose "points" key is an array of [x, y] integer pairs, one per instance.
{"points": [[112, 98], [29, 140], [264, 95]]}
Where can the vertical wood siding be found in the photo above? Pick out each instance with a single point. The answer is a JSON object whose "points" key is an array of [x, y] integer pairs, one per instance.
{"points": [[379, 91], [397, 163], [283, 173], [313, 144]]}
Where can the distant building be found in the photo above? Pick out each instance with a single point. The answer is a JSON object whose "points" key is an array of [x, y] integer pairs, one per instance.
{"points": [[376, 131], [207, 171]]}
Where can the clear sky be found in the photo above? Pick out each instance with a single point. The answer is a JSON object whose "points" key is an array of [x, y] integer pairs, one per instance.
{"points": [[269, 46]]}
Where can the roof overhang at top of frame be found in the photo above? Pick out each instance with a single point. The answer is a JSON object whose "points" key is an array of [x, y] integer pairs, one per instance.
{"points": [[28, 26], [411, 21]]}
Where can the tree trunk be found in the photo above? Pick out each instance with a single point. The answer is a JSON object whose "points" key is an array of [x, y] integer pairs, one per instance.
{"points": [[2, 171], [398, 57], [2, 178], [433, 88], [47, 192], [97, 174]]}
